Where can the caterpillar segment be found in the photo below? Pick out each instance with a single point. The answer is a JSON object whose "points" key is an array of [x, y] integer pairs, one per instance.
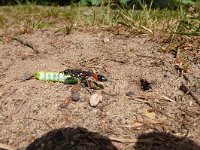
{"points": [[55, 77]]}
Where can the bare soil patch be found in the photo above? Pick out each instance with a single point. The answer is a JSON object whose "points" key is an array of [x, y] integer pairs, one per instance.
{"points": [[142, 95]]}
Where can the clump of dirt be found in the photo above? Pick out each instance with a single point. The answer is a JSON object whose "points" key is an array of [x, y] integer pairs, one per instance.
{"points": [[30, 108]]}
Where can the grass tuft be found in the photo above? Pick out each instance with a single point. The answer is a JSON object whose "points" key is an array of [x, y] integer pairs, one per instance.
{"points": [[183, 21]]}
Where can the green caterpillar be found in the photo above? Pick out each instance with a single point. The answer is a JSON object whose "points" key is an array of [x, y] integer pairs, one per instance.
{"points": [[55, 77]]}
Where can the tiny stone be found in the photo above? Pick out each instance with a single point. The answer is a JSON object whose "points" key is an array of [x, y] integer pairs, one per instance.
{"points": [[86, 13], [1, 94], [75, 96], [130, 93], [63, 105], [106, 40], [95, 99], [26, 76]]}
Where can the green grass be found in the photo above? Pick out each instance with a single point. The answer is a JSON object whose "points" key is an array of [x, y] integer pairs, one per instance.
{"points": [[189, 22], [147, 20]]}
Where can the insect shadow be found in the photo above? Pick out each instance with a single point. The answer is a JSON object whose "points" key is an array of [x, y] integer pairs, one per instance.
{"points": [[164, 141], [72, 139]]}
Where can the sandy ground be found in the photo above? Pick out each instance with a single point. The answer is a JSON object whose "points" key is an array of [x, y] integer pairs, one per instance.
{"points": [[30, 108]]}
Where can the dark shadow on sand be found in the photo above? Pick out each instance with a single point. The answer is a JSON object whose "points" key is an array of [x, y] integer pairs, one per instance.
{"points": [[82, 139], [72, 139], [164, 141]]}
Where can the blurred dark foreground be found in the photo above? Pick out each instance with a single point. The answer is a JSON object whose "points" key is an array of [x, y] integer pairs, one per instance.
{"points": [[124, 3], [83, 139], [39, 2]]}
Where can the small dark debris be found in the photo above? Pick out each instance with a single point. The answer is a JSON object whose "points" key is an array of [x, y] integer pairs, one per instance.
{"points": [[165, 76], [186, 77], [75, 93], [145, 85], [158, 63], [184, 88], [75, 96], [63, 105], [130, 93], [26, 76]]}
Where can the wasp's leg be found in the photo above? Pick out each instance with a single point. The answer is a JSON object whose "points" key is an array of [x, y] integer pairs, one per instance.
{"points": [[93, 85]]}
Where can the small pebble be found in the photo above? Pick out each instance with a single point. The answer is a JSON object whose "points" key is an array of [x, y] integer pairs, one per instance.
{"points": [[26, 76], [1, 94], [130, 93], [75, 96], [95, 99], [106, 40]]}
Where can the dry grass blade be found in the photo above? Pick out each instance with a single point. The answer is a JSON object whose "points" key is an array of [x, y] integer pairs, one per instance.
{"points": [[185, 89], [147, 29], [130, 140], [167, 98], [140, 124], [40, 120], [6, 147], [27, 43], [144, 99]]}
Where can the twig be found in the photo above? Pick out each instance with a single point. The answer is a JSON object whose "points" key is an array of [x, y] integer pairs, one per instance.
{"points": [[167, 98], [118, 61], [14, 113], [186, 90], [26, 43], [142, 99], [146, 56], [130, 140], [147, 29], [110, 94], [6, 147], [40, 121], [141, 124], [19, 108], [161, 112], [123, 140]]}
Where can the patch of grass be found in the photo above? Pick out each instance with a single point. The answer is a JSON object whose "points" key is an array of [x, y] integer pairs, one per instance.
{"points": [[189, 20], [66, 30], [185, 35], [146, 20]]}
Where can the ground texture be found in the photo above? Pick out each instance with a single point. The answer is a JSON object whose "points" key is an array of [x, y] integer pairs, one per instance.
{"points": [[141, 97]]}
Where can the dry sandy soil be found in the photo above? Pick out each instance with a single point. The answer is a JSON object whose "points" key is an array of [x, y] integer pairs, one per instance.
{"points": [[162, 114]]}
